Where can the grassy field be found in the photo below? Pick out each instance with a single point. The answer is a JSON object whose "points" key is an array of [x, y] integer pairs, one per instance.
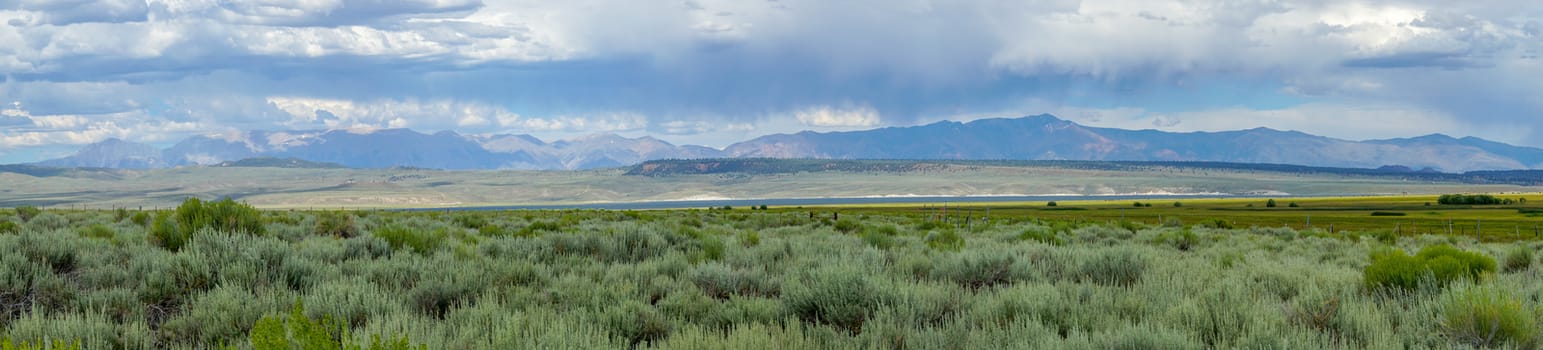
{"points": [[225, 275], [1403, 215], [417, 188]]}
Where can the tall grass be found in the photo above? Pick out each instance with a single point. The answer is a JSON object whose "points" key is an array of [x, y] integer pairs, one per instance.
{"points": [[740, 279]]}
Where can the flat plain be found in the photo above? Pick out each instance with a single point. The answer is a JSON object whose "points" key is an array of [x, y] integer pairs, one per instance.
{"points": [[422, 188]]}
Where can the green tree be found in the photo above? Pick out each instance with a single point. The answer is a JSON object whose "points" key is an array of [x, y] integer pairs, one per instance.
{"points": [[1270, 203]]}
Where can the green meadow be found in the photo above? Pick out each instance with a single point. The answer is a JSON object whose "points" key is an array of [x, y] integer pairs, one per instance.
{"points": [[1403, 215]]}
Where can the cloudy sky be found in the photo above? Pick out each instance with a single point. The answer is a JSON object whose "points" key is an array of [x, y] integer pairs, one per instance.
{"points": [[716, 71]]}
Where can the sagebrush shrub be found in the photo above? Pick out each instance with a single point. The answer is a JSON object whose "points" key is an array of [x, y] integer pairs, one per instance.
{"points": [[839, 297], [27, 212], [419, 240], [1518, 258], [1114, 267], [976, 269], [48, 222], [945, 239], [336, 224], [722, 282], [1041, 234], [1485, 316]]}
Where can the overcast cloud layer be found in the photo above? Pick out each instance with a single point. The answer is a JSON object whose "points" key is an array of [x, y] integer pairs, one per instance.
{"points": [[712, 72]]}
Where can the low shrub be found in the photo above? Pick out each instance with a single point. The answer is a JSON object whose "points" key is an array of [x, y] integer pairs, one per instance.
{"points": [[470, 220], [225, 215], [1485, 316], [945, 239], [1215, 223], [48, 222], [712, 248], [878, 240], [638, 323], [1114, 267], [1042, 235], [720, 281], [27, 212], [96, 231], [6, 226], [1183, 240], [300, 332], [1438, 264], [976, 270], [538, 227], [402, 237], [1518, 258], [336, 224], [1388, 213], [1472, 264], [839, 297], [140, 218], [847, 226]]}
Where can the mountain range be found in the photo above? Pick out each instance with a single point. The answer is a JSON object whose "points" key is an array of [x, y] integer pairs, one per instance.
{"points": [[1042, 137]]}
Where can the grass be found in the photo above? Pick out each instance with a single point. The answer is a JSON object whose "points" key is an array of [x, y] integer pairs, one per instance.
{"points": [[880, 277], [1331, 214], [415, 188]]}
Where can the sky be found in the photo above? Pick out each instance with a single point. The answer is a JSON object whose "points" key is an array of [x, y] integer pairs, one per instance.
{"points": [[713, 72]]}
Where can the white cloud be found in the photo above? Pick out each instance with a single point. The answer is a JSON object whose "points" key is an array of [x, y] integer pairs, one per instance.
{"points": [[733, 67], [827, 116], [442, 114]]}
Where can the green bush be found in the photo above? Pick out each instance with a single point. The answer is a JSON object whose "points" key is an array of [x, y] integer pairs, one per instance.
{"points": [[140, 218], [48, 222], [1215, 223], [96, 231], [336, 224], [538, 227], [1183, 240], [300, 332], [712, 248], [173, 230], [847, 226], [1114, 267], [945, 239], [27, 212], [722, 282], [1438, 264], [470, 220], [403, 237], [976, 270], [6, 226], [1462, 199], [838, 296], [1472, 264], [637, 323], [1518, 258], [225, 215], [1485, 316], [164, 233], [1042, 235], [878, 240], [55, 344], [1388, 213]]}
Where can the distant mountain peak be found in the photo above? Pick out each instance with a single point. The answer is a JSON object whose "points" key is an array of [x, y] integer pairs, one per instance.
{"points": [[1036, 137]]}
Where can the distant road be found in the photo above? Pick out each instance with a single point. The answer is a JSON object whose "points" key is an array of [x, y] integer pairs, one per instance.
{"points": [[790, 202]]}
